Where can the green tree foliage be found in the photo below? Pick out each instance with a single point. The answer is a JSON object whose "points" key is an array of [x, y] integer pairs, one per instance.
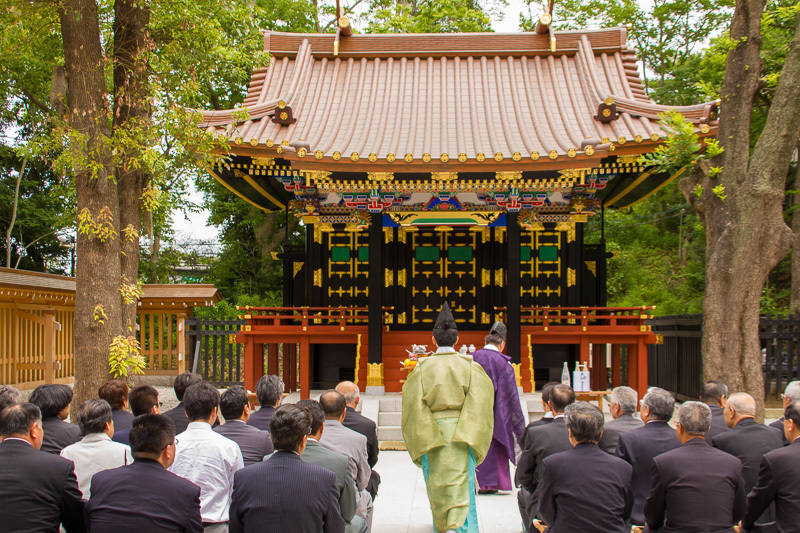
{"points": [[431, 16]]}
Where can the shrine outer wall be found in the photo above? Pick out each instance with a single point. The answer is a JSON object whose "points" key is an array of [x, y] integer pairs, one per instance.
{"points": [[404, 274]]}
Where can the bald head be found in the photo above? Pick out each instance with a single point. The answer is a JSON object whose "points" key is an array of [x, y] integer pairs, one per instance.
{"points": [[350, 391], [740, 406]]}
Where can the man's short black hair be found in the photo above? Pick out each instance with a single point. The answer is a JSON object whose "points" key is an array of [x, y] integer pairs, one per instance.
{"points": [[333, 403], [93, 415], [560, 397], [183, 382], [18, 419], [51, 399], [142, 399], [200, 400], [115, 392], [8, 396], [317, 414], [232, 402], [792, 412], [269, 390], [546, 390], [445, 337], [288, 426], [150, 433], [713, 391], [585, 421]]}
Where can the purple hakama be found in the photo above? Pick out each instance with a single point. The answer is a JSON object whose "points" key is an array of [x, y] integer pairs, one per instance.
{"points": [[509, 423]]}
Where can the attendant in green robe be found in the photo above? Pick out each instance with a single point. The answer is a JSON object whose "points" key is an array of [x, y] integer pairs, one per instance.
{"points": [[447, 424]]}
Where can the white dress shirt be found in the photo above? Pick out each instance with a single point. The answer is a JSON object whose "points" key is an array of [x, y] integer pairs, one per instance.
{"points": [[94, 453], [208, 460]]}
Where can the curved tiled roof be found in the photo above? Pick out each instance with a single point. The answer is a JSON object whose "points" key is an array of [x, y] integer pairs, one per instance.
{"points": [[415, 102]]}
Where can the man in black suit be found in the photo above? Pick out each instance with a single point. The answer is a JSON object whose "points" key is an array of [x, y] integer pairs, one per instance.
{"points": [[361, 424], [143, 400], [269, 390], [585, 489], [622, 406], [254, 443], [790, 394], [548, 414], [53, 402], [695, 488], [748, 440], [715, 395], [284, 493], [779, 479], [143, 496], [541, 442], [639, 446], [178, 414], [38, 490]]}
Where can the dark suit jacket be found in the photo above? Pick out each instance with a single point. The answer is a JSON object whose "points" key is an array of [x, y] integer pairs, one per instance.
{"points": [[123, 436], [541, 442], [254, 443], [614, 428], [779, 482], [122, 419], [58, 434], [38, 491], [285, 494], [178, 415], [339, 464], [778, 424], [749, 441], [638, 447], [260, 419], [536, 423], [585, 489], [143, 497], [695, 489], [717, 423]]}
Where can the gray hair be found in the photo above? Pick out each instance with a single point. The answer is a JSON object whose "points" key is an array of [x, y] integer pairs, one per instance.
{"points": [[349, 390], [626, 398], [695, 417], [585, 421], [93, 415], [742, 403], [9, 396], [269, 390], [792, 391], [661, 404], [18, 419]]}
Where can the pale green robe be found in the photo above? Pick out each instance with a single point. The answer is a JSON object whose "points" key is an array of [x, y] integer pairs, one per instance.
{"points": [[448, 404]]}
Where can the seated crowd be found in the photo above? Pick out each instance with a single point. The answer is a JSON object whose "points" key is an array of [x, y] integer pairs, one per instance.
{"points": [[717, 471], [294, 468], [311, 469]]}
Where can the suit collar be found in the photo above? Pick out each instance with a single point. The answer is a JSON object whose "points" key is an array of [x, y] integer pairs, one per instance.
{"points": [[744, 422], [234, 421], [696, 442], [311, 442], [17, 442], [332, 423]]}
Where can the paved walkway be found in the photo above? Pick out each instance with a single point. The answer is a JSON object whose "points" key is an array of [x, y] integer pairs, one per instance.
{"points": [[402, 503]]}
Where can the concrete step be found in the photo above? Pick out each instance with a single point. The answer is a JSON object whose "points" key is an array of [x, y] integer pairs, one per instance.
{"points": [[391, 403], [390, 433], [389, 418]]}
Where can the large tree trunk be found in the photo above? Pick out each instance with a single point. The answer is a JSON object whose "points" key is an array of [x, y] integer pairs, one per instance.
{"points": [[746, 235], [795, 303], [131, 113], [98, 268]]}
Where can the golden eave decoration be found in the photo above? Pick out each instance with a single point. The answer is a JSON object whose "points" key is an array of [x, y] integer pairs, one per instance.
{"points": [[442, 218]]}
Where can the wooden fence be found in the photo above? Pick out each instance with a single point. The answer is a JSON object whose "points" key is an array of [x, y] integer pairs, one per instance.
{"points": [[677, 364], [213, 351], [162, 340]]}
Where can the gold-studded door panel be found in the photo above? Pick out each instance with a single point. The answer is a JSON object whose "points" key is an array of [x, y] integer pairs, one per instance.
{"points": [[340, 268]]}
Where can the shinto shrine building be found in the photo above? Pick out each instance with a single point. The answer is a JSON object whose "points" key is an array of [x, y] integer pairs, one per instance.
{"points": [[458, 167]]}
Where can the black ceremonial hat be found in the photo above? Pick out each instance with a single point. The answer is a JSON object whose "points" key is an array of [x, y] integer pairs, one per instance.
{"points": [[499, 329], [445, 319]]}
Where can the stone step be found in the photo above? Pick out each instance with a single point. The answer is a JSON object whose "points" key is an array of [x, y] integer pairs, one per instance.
{"points": [[389, 418], [390, 433], [391, 404]]}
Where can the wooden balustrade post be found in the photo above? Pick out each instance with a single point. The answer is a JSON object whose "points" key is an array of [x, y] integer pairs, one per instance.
{"points": [[293, 370], [616, 365], [49, 345], [272, 359], [305, 370], [181, 343], [599, 370]]}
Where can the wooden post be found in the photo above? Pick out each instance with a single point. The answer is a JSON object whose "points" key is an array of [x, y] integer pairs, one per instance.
{"points": [[181, 342], [250, 378], [584, 350], [49, 345], [616, 365], [293, 370], [272, 359], [641, 374], [305, 370], [15, 343], [599, 371], [288, 355]]}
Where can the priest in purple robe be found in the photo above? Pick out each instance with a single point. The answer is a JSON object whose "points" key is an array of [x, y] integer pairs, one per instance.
{"points": [[509, 423]]}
